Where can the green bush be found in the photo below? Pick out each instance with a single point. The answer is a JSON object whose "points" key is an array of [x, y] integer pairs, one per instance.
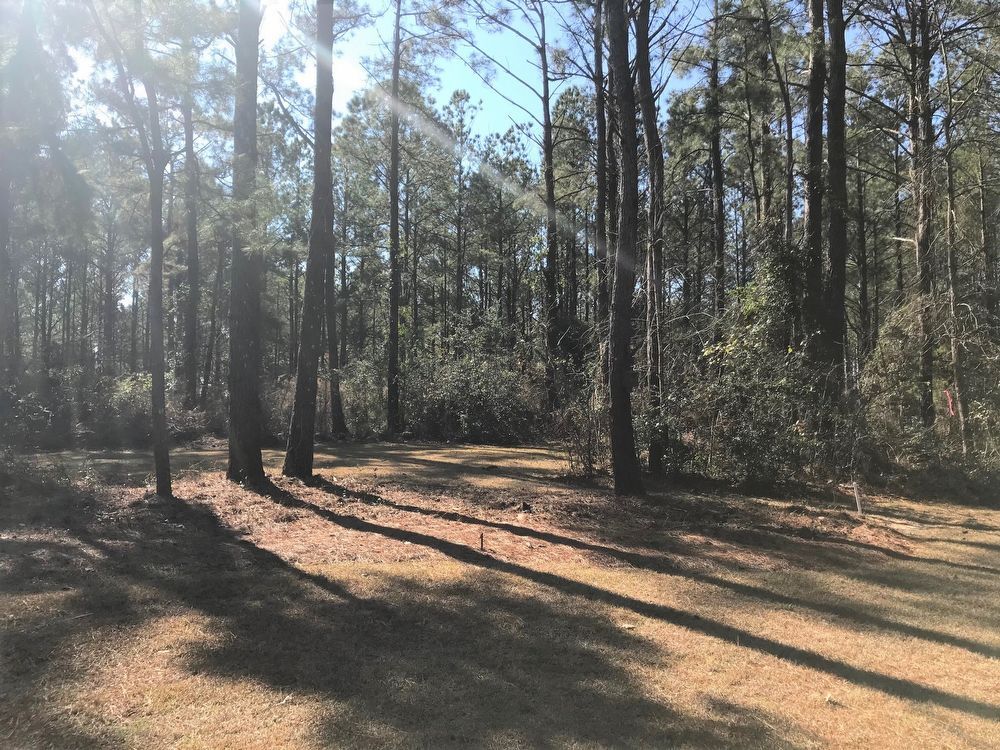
{"points": [[363, 391], [479, 391]]}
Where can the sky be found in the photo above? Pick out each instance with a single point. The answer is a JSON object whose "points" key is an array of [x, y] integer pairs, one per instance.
{"points": [[496, 114]]}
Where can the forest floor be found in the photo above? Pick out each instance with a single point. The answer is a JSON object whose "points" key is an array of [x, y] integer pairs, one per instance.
{"points": [[448, 596]]}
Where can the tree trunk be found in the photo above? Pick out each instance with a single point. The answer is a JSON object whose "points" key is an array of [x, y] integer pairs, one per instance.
{"points": [[601, 185], [922, 149], [627, 474], [812, 302], [220, 268], [8, 287], [836, 317], [954, 322], [109, 305], [161, 453], [193, 262], [655, 228], [343, 281], [986, 238], [718, 180], [245, 413], [338, 424], [897, 215], [302, 430], [133, 336], [551, 229], [865, 327], [393, 424], [613, 188]]}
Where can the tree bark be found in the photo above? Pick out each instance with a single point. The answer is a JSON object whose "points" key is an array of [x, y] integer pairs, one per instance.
{"points": [[156, 163], [836, 317], [986, 238], [655, 229], [601, 186], [922, 149], [551, 229], [865, 328], [393, 424], [220, 269], [302, 430], [718, 180], [193, 262], [954, 322], [627, 474], [109, 303], [245, 413], [812, 301], [338, 424]]}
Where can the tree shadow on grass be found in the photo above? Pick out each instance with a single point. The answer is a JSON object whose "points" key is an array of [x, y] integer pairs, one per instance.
{"points": [[852, 611], [894, 686], [470, 660]]}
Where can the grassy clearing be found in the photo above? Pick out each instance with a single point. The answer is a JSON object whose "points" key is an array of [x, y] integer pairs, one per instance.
{"points": [[454, 596]]}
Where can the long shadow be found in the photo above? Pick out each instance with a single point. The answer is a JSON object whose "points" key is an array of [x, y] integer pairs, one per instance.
{"points": [[926, 519], [764, 535], [469, 661], [439, 471], [897, 687], [771, 532], [657, 564], [958, 542]]}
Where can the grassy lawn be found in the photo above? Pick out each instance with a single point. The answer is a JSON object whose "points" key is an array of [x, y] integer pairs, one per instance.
{"points": [[449, 596]]}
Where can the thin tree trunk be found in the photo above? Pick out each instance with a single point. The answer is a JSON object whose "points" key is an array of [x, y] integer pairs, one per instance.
{"points": [[338, 424], [655, 228], [836, 317], [897, 214], [109, 304], [812, 303], [865, 327], [922, 130], [293, 311], [302, 430], [986, 238], [193, 262], [718, 180], [133, 348], [551, 230], [954, 323], [601, 186], [220, 269], [161, 453], [343, 281], [8, 287], [393, 424]]}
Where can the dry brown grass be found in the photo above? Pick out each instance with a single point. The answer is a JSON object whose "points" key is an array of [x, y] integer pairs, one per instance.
{"points": [[436, 596]]}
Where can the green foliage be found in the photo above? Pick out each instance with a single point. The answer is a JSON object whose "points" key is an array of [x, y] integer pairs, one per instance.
{"points": [[738, 414], [477, 393], [363, 387]]}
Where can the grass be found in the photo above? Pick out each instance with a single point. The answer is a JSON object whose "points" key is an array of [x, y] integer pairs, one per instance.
{"points": [[450, 596]]}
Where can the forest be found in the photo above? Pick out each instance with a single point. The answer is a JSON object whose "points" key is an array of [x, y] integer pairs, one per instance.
{"points": [[649, 284], [783, 265]]}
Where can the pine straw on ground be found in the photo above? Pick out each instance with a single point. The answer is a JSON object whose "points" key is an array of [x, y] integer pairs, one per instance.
{"points": [[434, 596]]}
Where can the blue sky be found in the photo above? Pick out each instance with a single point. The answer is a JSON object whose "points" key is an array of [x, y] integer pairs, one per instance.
{"points": [[496, 113]]}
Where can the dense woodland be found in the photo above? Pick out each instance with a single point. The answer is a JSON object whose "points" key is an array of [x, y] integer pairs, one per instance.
{"points": [[750, 240]]}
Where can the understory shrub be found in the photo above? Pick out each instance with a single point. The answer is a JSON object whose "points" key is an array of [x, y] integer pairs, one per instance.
{"points": [[475, 398]]}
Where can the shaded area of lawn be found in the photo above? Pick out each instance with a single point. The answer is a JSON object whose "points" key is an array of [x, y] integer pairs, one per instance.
{"points": [[518, 640], [461, 662]]}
